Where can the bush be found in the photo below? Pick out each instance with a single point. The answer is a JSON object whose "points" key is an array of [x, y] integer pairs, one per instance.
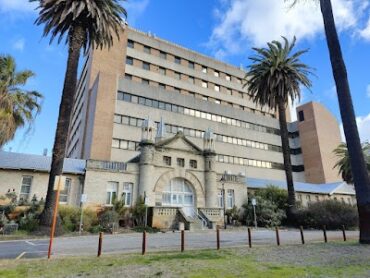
{"points": [[70, 217], [148, 229], [138, 212], [275, 195], [331, 213], [29, 222], [108, 220], [268, 213]]}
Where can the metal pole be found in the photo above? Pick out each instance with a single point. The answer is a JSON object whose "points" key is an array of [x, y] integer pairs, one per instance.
{"points": [[277, 236], [81, 219], [53, 224], [344, 233], [143, 250], [255, 216], [249, 237], [224, 200], [324, 230], [182, 240], [302, 235], [100, 244], [146, 211], [218, 238]]}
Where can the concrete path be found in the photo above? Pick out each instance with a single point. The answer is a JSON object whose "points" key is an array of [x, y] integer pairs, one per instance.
{"points": [[132, 243]]}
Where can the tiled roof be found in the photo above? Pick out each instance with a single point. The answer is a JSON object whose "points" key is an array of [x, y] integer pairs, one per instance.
{"points": [[326, 188], [18, 161]]}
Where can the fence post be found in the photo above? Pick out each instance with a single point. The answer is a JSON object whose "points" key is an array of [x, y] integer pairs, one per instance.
{"points": [[100, 245], [182, 240], [277, 236], [249, 237], [218, 238], [143, 249], [344, 233], [324, 230], [302, 235]]}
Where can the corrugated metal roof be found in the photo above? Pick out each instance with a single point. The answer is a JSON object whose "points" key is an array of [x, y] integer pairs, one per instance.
{"points": [[325, 188], [10, 160]]}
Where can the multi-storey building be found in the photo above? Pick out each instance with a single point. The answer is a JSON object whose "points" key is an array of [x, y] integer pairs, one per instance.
{"points": [[143, 76]]}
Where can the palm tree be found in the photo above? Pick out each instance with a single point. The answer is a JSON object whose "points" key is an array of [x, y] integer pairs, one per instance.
{"points": [[274, 77], [361, 178], [18, 107], [344, 165], [84, 24]]}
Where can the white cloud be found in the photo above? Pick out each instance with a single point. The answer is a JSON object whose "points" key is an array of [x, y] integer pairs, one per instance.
{"points": [[365, 32], [363, 124], [368, 90], [17, 6], [135, 8], [19, 44], [257, 22]]}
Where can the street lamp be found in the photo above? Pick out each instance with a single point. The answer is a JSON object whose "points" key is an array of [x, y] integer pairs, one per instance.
{"points": [[222, 180]]}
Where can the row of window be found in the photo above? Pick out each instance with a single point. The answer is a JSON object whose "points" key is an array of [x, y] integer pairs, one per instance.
{"points": [[26, 189], [318, 198], [167, 160], [248, 162], [126, 120], [126, 195], [194, 113], [192, 80], [191, 64], [125, 144]]}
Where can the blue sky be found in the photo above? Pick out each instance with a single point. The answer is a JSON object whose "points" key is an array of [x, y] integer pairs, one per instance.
{"points": [[225, 29]]}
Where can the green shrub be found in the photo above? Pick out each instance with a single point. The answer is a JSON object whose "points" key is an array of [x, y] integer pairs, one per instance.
{"points": [[29, 222], [331, 213], [148, 229], [70, 217], [108, 220], [268, 213], [138, 212], [275, 195]]}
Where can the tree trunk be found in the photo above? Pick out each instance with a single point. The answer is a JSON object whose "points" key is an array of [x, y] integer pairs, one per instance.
{"points": [[360, 176], [76, 38], [287, 160]]}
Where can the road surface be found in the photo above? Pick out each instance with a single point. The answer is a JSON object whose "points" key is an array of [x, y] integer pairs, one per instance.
{"points": [[170, 241]]}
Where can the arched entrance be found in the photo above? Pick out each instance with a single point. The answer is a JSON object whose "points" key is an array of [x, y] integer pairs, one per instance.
{"points": [[179, 193]]}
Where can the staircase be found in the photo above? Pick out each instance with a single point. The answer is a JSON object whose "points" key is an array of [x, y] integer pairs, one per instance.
{"points": [[194, 220]]}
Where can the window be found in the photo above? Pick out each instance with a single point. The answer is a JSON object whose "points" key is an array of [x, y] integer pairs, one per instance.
{"points": [[204, 84], [220, 199], [317, 198], [191, 65], [300, 197], [128, 76], [178, 75], [111, 192], [115, 143], [230, 198], [217, 101], [217, 88], [145, 81], [130, 44], [127, 193], [216, 74], [228, 91], [163, 55], [204, 69], [193, 164], [146, 66], [25, 188], [204, 98], [238, 80], [129, 61], [162, 71], [167, 160], [308, 198], [178, 193], [162, 86], [64, 194], [147, 49], [181, 162], [191, 80], [301, 116], [177, 60], [177, 90], [228, 77]]}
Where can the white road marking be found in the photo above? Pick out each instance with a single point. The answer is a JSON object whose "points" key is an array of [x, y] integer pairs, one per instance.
{"points": [[30, 243], [20, 255]]}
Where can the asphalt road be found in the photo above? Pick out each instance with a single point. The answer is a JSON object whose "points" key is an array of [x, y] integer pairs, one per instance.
{"points": [[132, 243]]}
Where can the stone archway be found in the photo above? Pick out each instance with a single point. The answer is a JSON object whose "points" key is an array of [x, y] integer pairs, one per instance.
{"points": [[165, 179]]}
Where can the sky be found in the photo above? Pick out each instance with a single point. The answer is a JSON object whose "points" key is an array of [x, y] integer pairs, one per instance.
{"points": [[223, 29]]}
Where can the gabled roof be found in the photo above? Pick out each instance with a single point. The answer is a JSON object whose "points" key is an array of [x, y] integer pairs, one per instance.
{"points": [[179, 136], [325, 188], [21, 161]]}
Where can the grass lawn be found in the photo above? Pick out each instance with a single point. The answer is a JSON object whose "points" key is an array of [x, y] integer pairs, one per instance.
{"points": [[313, 260]]}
